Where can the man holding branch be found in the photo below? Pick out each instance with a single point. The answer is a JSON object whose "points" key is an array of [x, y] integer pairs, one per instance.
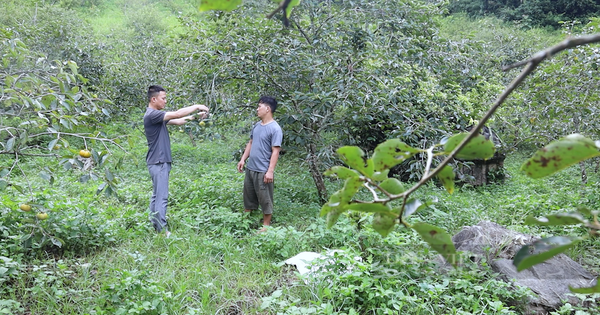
{"points": [[158, 157]]}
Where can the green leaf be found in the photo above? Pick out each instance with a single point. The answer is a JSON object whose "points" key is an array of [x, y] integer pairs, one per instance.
{"points": [[3, 184], [18, 188], [332, 218], [392, 186], [10, 144], [223, 5], [52, 144], [446, 176], [383, 224], [390, 153], [45, 175], [332, 204], [47, 100], [378, 176], [559, 155], [341, 172], [542, 250], [557, 219], [109, 176], [56, 241], [477, 148], [84, 178], [355, 158], [351, 186], [594, 289], [438, 239]]}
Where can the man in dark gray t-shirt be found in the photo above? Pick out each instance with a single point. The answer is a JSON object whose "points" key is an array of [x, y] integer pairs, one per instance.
{"points": [[158, 157], [262, 152]]}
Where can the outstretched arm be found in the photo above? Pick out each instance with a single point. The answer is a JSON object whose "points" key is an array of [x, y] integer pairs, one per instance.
{"points": [[182, 115]]}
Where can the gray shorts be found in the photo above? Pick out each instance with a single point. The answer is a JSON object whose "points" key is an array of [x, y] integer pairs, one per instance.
{"points": [[256, 192]]}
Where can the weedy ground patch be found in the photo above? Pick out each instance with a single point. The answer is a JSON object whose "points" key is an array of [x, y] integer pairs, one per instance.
{"points": [[110, 261]]}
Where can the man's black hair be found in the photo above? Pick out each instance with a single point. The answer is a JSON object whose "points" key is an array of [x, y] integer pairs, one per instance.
{"points": [[154, 90], [269, 101]]}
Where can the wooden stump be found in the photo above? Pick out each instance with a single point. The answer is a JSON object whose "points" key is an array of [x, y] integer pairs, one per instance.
{"points": [[482, 172]]}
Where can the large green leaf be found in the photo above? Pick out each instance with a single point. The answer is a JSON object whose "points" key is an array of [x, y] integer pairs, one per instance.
{"points": [[224, 5], [350, 188], [391, 153], [557, 219], [590, 290], [560, 154], [542, 250], [392, 186], [478, 148], [438, 239], [355, 158], [383, 224], [338, 201], [341, 172], [332, 218], [332, 204], [446, 176]]}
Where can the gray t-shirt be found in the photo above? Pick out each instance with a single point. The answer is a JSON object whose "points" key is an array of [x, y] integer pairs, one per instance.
{"points": [[264, 137], [159, 144]]}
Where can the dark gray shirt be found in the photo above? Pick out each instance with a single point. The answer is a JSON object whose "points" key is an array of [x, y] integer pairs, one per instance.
{"points": [[159, 143], [264, 138]]}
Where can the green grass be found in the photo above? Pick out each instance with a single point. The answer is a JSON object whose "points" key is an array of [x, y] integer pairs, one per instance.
{"points": [[118, 15], [216, 263]]}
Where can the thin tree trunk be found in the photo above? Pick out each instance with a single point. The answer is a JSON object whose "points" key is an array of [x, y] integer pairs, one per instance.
{"points": [[583, 172], [313, 164]]}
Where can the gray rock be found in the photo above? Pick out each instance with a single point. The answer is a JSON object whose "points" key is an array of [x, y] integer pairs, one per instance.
{"points": [[549, 280]]}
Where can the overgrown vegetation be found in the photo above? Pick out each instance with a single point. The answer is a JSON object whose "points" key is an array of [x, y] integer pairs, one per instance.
{"points": [[530, 13], [73, 78]]}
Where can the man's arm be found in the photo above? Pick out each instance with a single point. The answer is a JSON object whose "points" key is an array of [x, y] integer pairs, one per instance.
{"points": [[181, 116], [240, 165], [269, 175]]}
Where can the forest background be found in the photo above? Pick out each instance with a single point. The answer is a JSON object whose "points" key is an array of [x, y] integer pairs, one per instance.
{"points": [[74, 76]]}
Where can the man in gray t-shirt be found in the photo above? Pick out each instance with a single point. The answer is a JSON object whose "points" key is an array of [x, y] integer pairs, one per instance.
{"points": [[158, 157], [262, 152]]}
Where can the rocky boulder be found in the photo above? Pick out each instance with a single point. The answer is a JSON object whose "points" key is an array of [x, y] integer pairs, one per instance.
{"points": [[549, 280]]}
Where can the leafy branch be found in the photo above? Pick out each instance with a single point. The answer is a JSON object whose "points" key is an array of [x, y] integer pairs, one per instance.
{"points": [[372, 172]]}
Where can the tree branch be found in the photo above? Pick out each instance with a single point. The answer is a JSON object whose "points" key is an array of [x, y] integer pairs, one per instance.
{"points": [[531, 64]]}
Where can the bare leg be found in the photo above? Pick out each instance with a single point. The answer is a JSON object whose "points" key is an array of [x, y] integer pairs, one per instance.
{"points": [[267, 219], [266, 222]]}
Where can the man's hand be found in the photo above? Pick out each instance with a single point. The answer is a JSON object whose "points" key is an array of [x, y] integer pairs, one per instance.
{"points": [[240, 166], [268, 177]]}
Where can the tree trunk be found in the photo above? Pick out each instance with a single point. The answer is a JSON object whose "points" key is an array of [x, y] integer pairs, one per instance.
{"points": [[583, 172], [313, 164]]}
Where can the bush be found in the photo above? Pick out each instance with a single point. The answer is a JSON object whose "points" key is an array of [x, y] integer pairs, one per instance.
{"points": [[134, 292], [70, 229]]}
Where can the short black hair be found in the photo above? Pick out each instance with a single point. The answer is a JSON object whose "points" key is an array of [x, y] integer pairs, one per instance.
{"points": [[154, 90], [269, 101]]}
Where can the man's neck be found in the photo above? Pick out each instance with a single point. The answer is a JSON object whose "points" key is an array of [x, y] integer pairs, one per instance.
{"points": [[266, 120]]}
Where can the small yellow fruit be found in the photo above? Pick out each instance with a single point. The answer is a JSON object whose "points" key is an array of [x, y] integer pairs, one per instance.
{"points": [[42, 216], [202, 124], [85, 153], [25, 207]]}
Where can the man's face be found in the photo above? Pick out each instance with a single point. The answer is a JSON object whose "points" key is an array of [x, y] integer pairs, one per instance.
{"points": [[160, 100], [262, 110]]}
